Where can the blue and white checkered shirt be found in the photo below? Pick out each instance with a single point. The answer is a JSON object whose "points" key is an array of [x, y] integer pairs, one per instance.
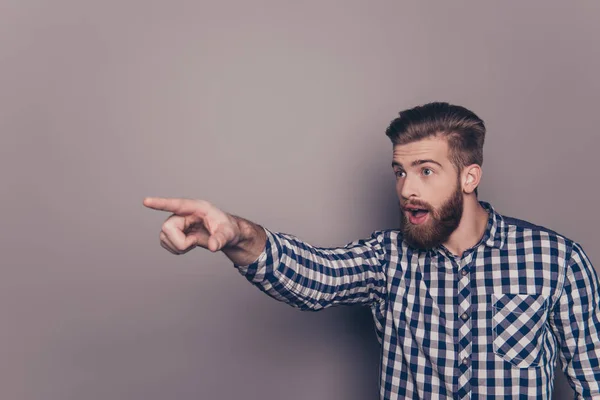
{"points": [[489, 324]]}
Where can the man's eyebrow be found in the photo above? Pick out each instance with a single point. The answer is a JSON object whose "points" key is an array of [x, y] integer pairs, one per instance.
{"points": [[416, 162]]}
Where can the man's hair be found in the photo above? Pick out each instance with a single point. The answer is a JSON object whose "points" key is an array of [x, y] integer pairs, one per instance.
{"points": [[464, 130]]}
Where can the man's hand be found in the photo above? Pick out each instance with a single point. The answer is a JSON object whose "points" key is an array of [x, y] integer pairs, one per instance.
{"points": [[194, 223]]}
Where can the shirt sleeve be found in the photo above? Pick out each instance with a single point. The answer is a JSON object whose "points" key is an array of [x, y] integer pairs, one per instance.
{"points": [[576, 322], [313, 278]]}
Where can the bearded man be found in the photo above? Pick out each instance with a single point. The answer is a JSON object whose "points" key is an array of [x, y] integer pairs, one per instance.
{"points": [[467, 303]]}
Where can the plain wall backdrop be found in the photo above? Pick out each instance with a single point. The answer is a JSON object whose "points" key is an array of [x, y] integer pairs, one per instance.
{"points": [[274, 111]]}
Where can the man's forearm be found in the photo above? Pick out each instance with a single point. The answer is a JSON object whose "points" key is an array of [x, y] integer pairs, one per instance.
{"points": [[251, 245]]}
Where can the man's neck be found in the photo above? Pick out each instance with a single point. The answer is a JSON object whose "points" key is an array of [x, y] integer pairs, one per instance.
{"points": [[470, 229]]}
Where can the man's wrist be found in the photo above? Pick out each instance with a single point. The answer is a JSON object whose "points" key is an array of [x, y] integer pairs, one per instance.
{"points": [[250, 244], [247, 230]]}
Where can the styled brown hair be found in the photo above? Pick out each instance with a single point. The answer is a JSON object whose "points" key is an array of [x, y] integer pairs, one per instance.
{"points": [[464, 130]]}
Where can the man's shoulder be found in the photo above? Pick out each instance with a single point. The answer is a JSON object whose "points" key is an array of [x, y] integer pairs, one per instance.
{"points": [[388, 237], [524, 224], [517, 226]]}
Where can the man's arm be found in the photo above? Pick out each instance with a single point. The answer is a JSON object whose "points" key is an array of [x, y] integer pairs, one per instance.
{"points": [[281, 265], [576, 322], [307, 277]]}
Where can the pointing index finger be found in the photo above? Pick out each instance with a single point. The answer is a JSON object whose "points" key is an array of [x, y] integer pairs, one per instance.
{"points": [[174, 205]]}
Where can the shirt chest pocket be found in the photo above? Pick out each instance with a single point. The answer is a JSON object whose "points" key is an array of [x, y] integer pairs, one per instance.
{"points": [[519, 324]]}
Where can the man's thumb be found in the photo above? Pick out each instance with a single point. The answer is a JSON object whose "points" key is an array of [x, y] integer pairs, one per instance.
{"points": [[216, 242]]}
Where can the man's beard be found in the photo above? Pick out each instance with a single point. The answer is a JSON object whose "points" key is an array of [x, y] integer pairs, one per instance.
{"points": [[440, 224]]}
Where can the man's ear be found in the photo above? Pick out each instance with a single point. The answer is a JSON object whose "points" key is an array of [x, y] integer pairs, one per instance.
{"points": [[471, 177]]}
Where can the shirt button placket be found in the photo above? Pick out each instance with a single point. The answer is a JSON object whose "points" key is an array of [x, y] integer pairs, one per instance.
{"points": [[465, 324]]}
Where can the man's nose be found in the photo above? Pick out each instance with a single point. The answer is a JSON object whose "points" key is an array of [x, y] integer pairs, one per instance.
{"points": [[409, 188]]}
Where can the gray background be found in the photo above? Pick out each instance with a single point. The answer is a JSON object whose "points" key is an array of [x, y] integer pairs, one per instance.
{"points": [[275, 111]]}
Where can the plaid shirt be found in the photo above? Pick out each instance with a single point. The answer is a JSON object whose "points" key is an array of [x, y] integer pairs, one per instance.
{"points": [[489, 324]]}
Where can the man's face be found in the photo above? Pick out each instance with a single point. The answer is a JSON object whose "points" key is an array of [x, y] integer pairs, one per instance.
{"points": [[429, 191]]}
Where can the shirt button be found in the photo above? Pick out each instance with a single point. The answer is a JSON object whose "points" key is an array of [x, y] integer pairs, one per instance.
{"points": [[464, 272], [465, 361], [464, 316]]}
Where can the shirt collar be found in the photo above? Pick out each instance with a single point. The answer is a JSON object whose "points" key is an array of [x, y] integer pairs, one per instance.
{"points": [[495, 232]]}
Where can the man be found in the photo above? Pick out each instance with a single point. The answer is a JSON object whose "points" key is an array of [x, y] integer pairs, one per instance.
{"points": [[467, 303]]}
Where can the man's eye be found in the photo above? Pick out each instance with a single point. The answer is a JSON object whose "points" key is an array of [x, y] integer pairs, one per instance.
{"points": [[400, 173], [427, 171]]}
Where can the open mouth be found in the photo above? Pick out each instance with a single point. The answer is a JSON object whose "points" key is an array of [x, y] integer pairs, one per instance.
{"points": [[416, 215], [418, 212]]}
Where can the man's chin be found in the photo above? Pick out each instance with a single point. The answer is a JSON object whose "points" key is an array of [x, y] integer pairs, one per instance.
{"points": [[419, 241]]}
